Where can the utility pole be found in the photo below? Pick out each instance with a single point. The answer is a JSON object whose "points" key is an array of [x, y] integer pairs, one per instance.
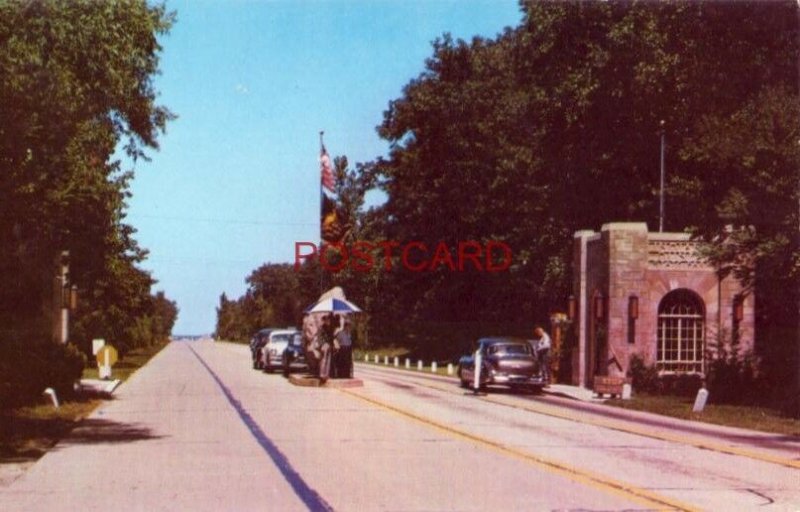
{"points": [[60, 312], [663, 172], [65, 297], [797, 235]]}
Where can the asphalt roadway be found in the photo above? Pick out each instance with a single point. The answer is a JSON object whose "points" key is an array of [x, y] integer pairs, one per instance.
{"points": [[197, 429]]}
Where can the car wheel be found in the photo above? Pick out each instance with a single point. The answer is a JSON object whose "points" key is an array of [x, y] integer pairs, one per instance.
{"points": [[464, 382]]}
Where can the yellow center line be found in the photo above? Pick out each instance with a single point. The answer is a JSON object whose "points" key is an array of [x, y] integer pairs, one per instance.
{"points": [[601, 482], [630, 429]]}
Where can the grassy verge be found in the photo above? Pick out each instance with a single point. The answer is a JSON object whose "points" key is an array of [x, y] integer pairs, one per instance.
{"points": [[238, 342], [124, 368], [749, 417], [26, 433]]}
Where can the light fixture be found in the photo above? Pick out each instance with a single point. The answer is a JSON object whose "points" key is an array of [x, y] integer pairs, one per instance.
{"points": [[633, 307], [598, 307], [738, 308]]}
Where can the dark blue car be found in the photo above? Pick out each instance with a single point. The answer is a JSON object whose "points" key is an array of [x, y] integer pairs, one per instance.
{"points": [[505, 361]]}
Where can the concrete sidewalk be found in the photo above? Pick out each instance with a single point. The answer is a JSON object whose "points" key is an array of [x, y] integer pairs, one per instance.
{"points": [[574, 392], [167, 440]]}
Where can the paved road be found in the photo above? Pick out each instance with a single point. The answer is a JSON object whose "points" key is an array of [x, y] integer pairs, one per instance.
{"points": [[196, 429]]}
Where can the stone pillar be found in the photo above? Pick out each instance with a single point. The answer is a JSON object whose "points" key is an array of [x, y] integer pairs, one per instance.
{"points": [[579, 289], [627, 267]]}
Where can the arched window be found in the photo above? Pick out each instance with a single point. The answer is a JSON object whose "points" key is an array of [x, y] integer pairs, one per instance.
{"points": [[681, 322]]}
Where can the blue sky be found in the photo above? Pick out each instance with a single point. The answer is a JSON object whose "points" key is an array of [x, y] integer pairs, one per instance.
{"points": [[236, 181]]}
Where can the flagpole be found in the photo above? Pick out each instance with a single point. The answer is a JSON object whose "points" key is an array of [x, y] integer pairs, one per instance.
{"points": [[321, 192], [661, 189], [321, 209]]}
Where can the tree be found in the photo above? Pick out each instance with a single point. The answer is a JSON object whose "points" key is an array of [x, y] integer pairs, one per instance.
{"points": [[553, 127], [77, 81]]}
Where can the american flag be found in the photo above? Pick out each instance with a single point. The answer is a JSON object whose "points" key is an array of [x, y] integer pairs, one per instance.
{"points": [[328, 179]]}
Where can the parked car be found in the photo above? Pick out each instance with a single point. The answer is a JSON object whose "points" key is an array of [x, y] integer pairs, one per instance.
{"points": [[257, 343], [272, 351], [294, 357], [505, 361]]}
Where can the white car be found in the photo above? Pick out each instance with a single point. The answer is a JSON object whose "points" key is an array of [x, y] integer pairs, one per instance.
{"points": [[278, 341]]}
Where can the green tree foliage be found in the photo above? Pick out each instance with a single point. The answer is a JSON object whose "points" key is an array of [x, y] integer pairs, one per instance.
{"points": [[76, 83], [276, 296], [277, 293], [554, 126]]}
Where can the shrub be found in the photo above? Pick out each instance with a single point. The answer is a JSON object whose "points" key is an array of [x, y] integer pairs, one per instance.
{"points": [[681, 384], [26, 370], [732, 379], [644, 378]]}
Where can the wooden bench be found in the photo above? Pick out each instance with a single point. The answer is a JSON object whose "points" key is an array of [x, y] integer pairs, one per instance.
{"points": [[609, 385]]}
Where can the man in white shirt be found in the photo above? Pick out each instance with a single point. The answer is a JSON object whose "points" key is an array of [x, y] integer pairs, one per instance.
{"points": [[542, 347]]}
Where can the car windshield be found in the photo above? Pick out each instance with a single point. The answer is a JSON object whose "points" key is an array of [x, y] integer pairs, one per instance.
{"points": [[510, 349], [282, 338]]}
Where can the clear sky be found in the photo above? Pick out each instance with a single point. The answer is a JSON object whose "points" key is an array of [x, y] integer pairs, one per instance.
{"points": [[236, 181]]}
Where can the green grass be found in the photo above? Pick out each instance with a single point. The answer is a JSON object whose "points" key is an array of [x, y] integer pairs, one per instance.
{"points": [[26, 433], [125, 367], [749, 417], [238, 342]]}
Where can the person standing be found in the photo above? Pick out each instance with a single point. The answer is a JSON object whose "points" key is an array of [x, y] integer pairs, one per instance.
{"points": [[542, 348], [326, 347], [344, 354]]}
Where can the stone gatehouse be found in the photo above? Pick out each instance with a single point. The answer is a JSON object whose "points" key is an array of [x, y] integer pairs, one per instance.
{"points": [[650, 294]]}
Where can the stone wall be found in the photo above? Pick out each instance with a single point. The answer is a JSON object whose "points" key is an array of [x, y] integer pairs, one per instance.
{"points": [[625, 263]]}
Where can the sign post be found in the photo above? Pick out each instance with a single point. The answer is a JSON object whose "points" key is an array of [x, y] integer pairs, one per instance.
{"points": [[106, 358], [97, 344]]}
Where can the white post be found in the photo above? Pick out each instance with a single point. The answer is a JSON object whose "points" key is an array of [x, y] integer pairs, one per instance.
{"points": [[626, 391], [386, 360], [433, 367], [105, 369], [396, 361], [51, 394], [478, 363], [700, 401], [419, 365], [449, 368], [408, 364], [366, 358], [376, 359]]}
